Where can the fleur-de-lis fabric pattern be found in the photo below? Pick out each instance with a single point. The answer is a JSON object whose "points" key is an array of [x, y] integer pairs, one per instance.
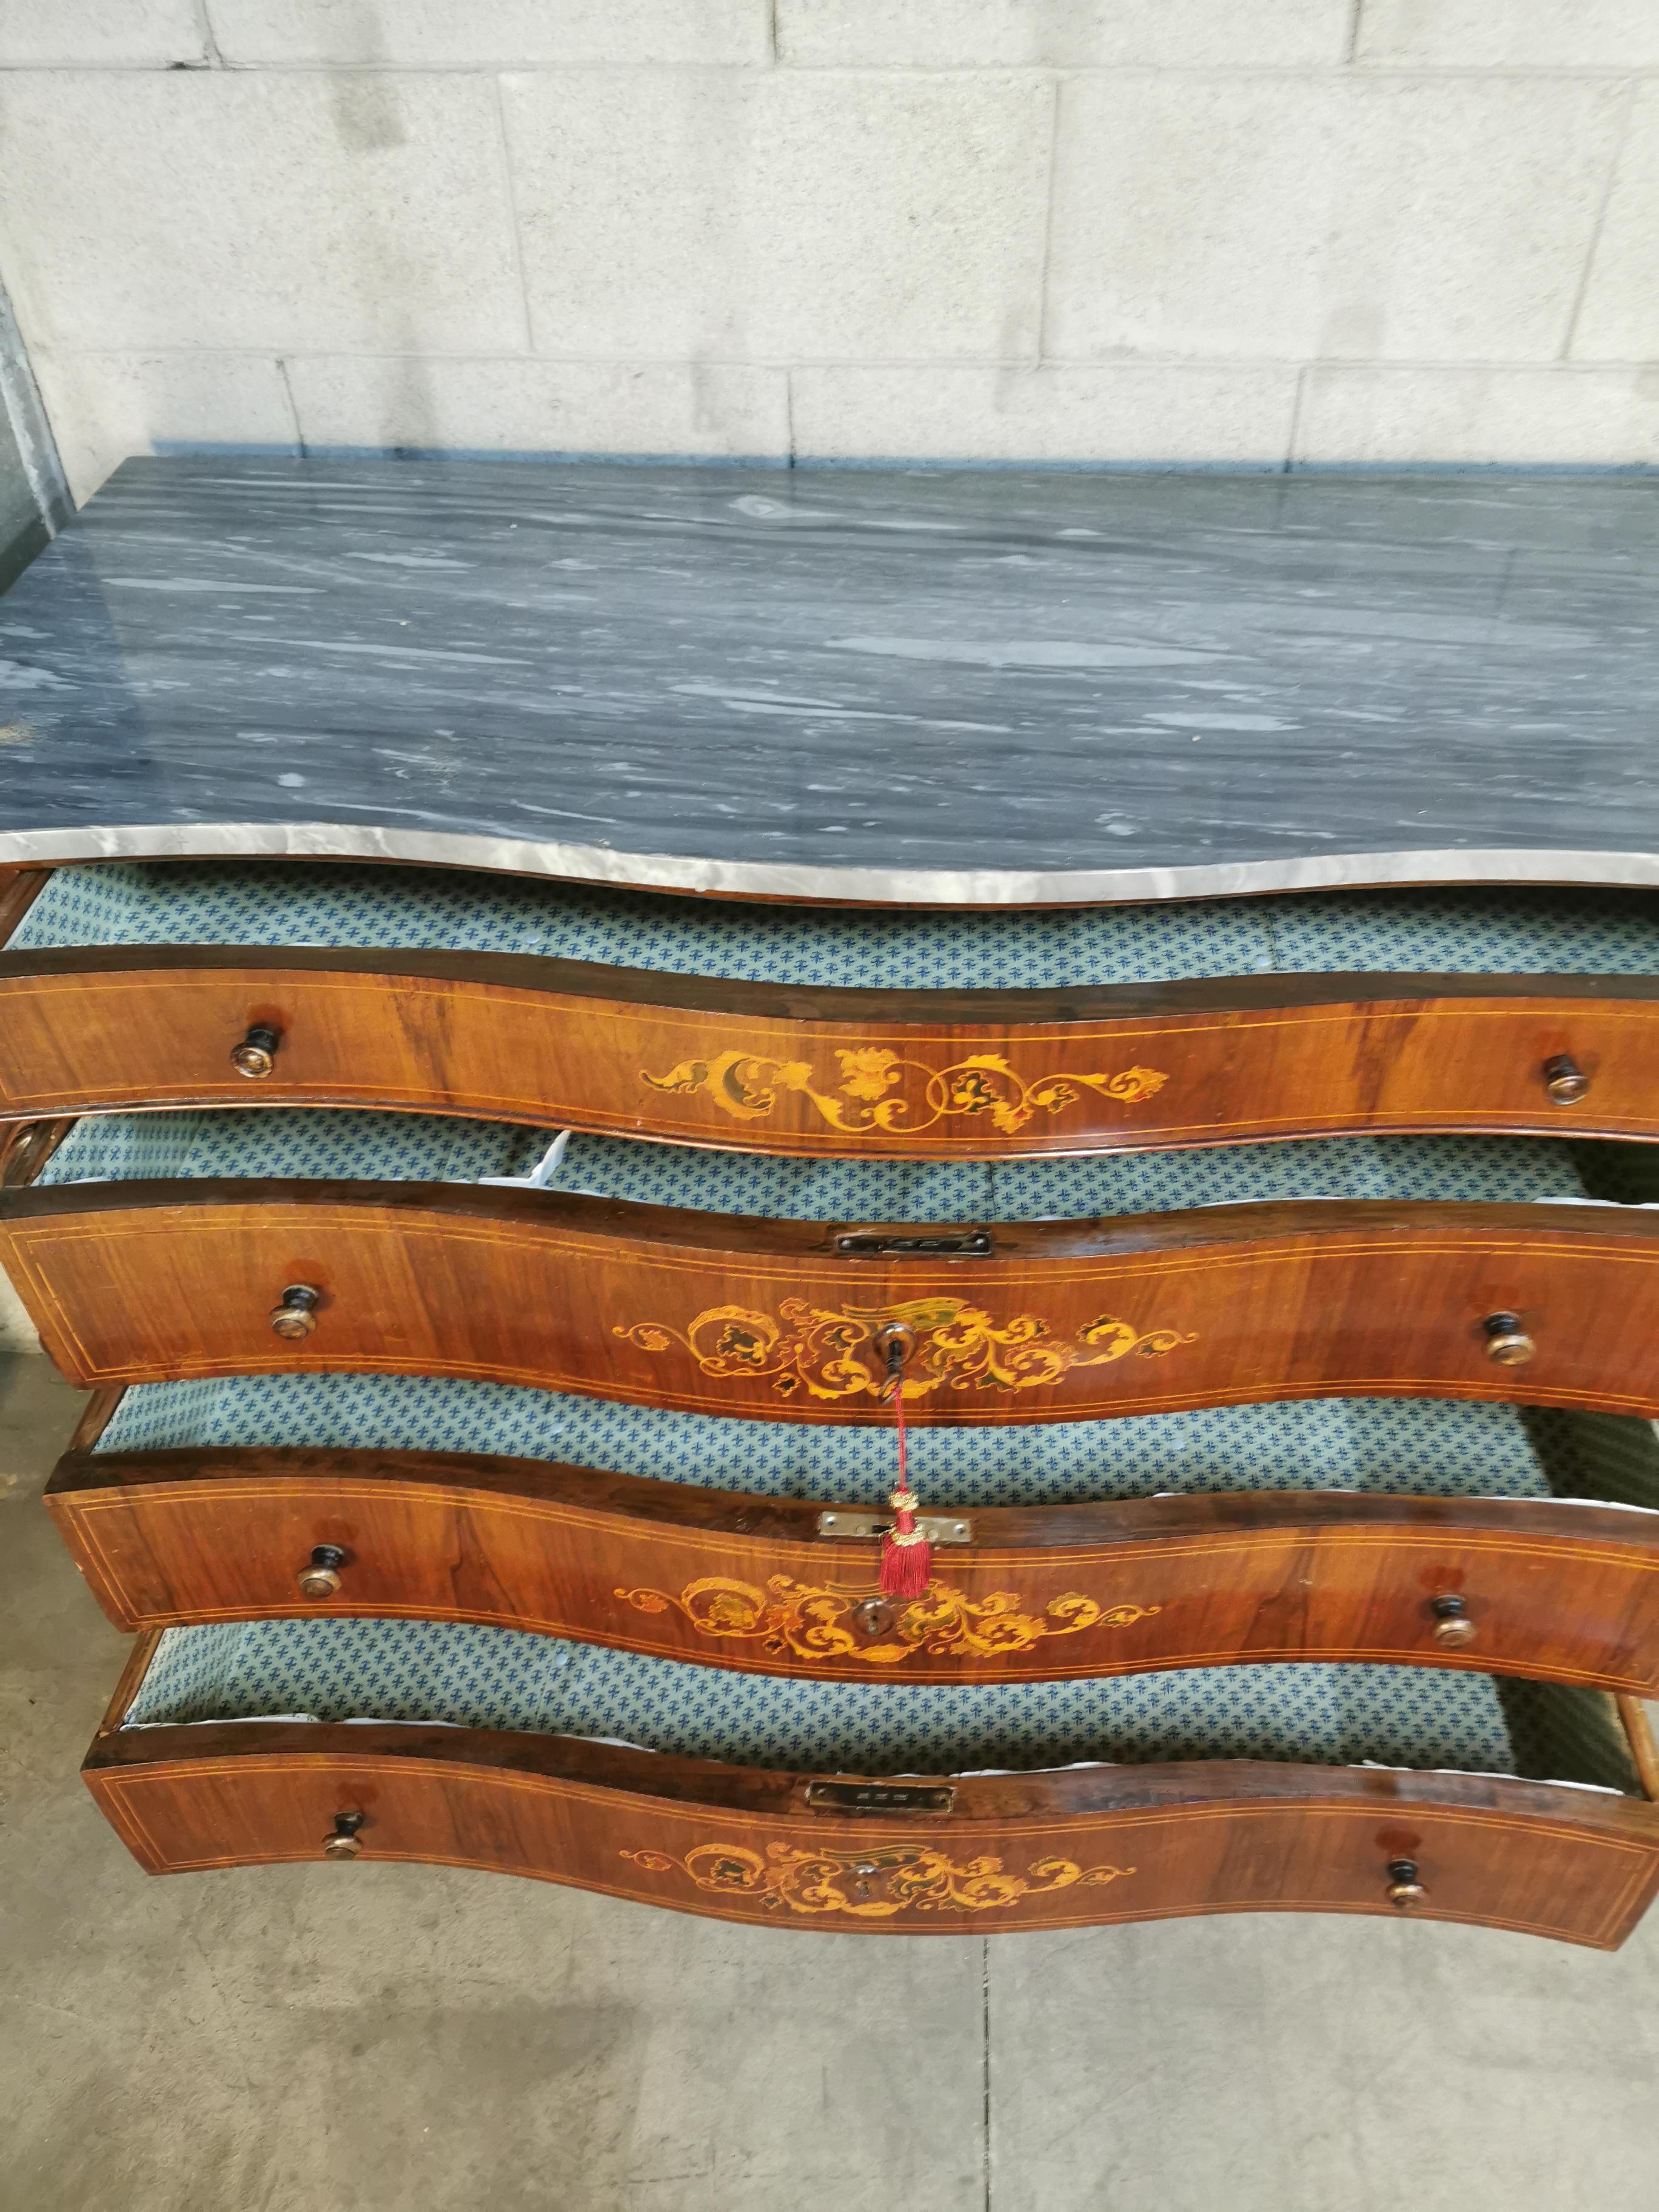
{"points": [[293, 902], [431, 1147], [1380, 1447], [491, 1678], [284, 1140]]}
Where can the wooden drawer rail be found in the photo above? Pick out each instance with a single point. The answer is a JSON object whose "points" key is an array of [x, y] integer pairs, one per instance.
{"points": [[1554, 1305], [975, 1074]]}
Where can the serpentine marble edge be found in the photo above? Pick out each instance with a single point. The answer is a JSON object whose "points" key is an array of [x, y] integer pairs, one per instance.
{"points": [[961, 688]]}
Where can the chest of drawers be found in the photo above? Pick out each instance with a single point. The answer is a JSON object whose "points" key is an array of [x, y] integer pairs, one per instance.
{"points": [[484, 1253]]}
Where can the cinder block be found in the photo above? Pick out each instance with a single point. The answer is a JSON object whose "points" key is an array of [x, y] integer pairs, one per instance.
{"points": [[105, 406], [1620, 317], [781, 216], [101, 34], [1366, 218], [1169, 411], [1060, 34], [1522, 416], [1616, 34], [230, 208], [542, 406], [490, 34]]}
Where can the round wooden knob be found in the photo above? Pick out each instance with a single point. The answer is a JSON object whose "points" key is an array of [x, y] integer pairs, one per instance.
{"points": [[1405, 1890], [321, 1579], [1507, 1342], [343, 1843], [296, 1316], [1564, 1082], [1453, 1628], [256, 1056]]}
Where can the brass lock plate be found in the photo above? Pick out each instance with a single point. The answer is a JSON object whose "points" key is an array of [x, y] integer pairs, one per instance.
{"points": [[937, 1528], [914, 1244], [877, 1797]]}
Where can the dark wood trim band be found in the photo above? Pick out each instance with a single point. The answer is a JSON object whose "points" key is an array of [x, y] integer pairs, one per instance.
{"points": [[20, 887]]}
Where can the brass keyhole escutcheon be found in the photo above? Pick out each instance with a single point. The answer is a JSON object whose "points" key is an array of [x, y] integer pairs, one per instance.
{"points": [[343, 1843], [256, 1056], [863, 1874], [1507, 1342], [321, 1579], [875, 1616], [295, 1317], [895, 1342], [1453, 1628], [1405, 1889], [1564, 1082]]}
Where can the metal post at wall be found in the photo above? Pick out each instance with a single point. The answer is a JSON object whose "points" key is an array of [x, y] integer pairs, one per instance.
{"points": [[34, 497]]}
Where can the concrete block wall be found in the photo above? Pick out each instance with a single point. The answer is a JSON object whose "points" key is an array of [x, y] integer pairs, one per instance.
{"points": [[1226, 231]]}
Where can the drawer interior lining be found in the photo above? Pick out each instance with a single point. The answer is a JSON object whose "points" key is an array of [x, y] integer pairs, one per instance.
{"points": [[1382, 1447], [277, 903], [488, 1678], [323, 1143]]}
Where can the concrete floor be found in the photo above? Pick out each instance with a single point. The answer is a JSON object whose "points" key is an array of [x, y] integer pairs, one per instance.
{"points": [[344, 2039]]}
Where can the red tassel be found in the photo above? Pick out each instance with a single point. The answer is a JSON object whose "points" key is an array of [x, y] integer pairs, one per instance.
{"points": [[907, 1557]]}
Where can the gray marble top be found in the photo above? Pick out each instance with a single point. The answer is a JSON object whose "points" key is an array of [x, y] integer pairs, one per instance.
{"points": [[971, 687]]}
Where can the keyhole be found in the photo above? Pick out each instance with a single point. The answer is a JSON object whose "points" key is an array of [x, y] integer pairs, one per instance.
{"points": [[874, 1617], [862, 1873]]}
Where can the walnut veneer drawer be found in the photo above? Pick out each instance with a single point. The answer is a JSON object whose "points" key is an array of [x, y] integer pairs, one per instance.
{"points": [[935, 1854], [1557, 1587], [972, 1074], [143, 1281], [1219, 1023]]}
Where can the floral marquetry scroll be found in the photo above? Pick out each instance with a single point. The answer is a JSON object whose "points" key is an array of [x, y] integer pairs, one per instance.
{"points": [[811, 1621], [872, 1095], [830, 1350], [876, 1884]]}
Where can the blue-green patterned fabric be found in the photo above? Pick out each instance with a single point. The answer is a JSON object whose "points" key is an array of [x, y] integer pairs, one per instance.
{"points": [[283, 903], [1386, 1447], [289, 903], [496, 1678], [279, 1141], [432, 1147]]}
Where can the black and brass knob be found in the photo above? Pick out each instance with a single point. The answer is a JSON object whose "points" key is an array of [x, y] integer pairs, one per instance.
{"points": [[296, 1316], [1507, 1342], [343, 1843], [256, 1056], [1564, 1082], [321, 1577], [1405, 1889], [1453, 1628]]}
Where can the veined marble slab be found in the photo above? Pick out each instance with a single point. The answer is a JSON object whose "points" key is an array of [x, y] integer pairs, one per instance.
{"points": [[963, 688]]}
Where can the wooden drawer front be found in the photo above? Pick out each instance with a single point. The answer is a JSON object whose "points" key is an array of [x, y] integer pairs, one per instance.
{"points": [[144, 1282], [1547, 1861], [1047, 1593], [907, 1075]]}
